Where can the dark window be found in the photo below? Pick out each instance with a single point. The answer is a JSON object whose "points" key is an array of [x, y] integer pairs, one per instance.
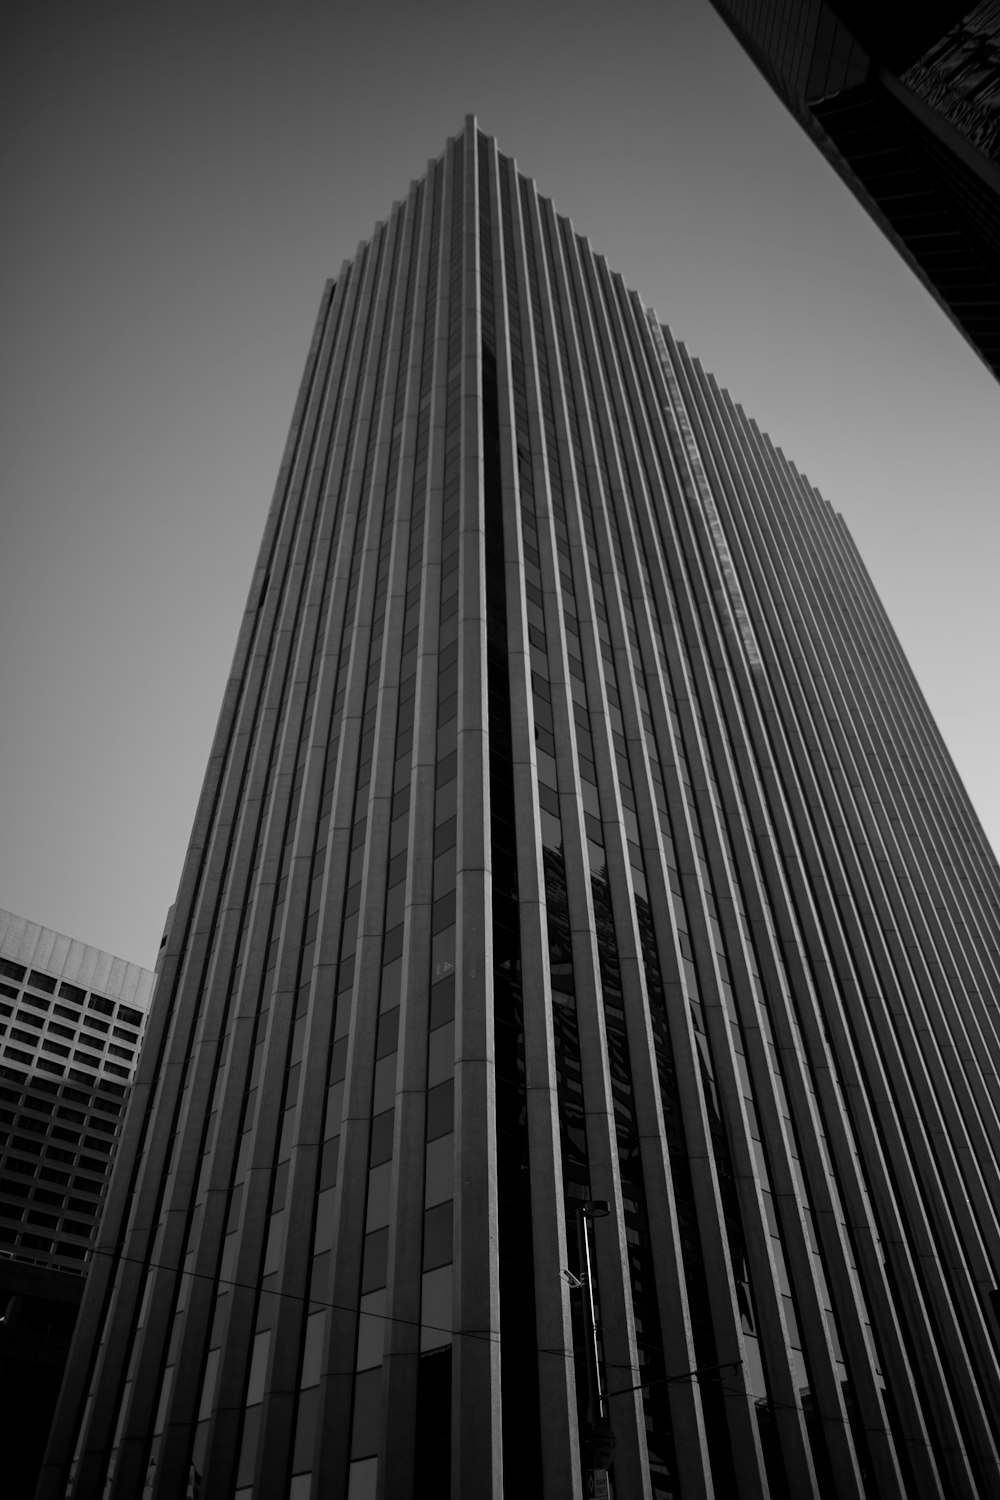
{"points": [[338, 1060], [444, 837], [376, 1260], [70, 1226], [442, 1001], [393, 946], [328, 1163], [443, 914], [392, 977], [446, 769], [381, 1142], [388, 1032], [43, 982], [367, 1412], [441, 1109], [305, 1429], [438, 1236], [42, 1195]]}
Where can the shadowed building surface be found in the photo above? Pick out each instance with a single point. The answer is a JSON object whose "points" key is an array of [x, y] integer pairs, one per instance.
{"points": [[904, 103], [71, 1023], [575, 838]]}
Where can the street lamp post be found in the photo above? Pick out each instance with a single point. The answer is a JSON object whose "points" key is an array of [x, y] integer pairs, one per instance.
{"points": [[600, 1439]]}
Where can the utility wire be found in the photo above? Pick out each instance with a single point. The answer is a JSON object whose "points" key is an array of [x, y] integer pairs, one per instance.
{"points": [[732, 1364], [471, 1333]]}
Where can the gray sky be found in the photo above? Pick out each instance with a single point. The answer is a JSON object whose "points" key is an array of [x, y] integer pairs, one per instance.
{"points": [[178, 182]]}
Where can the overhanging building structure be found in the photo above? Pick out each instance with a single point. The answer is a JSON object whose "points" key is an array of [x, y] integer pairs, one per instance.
{"points": [[71, 1024], [904, 103], [575, 836]]}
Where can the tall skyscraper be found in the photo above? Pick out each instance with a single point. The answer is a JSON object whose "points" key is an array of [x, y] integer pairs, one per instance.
{"points": [[904, 103], [575, 1053], [71, 1024]]}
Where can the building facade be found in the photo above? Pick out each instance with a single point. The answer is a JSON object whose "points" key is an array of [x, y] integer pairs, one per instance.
{"points": [[71, 1023], [904, 103], [579, 880]]}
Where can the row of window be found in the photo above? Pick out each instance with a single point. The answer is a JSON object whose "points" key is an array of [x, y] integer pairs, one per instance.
{"points": [[46, 983], [44, 1146], [26, 1014], [26, 1245], [19, 1038], [49, 1175]]}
